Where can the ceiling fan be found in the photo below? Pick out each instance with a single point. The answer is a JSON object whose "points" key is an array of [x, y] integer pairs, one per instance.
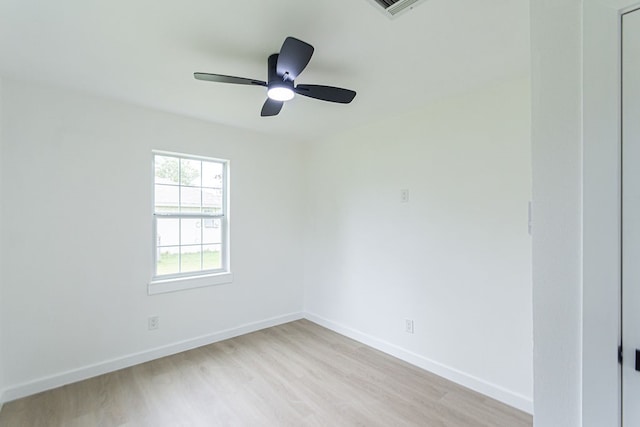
{"points": [[283, 69]]}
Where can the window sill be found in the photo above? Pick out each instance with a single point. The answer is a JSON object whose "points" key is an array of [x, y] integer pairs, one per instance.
{"points": [[162, 286]]}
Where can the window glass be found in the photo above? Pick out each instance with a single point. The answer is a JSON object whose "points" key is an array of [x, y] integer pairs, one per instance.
{"points": [[190, 218]]}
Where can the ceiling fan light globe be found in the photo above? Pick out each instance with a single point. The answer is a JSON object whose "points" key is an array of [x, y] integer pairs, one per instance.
{"points": [[280, 93]]}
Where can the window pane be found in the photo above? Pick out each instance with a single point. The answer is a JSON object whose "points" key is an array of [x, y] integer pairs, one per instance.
{"points": [[191, 258], [211, 200], [211, 259], [190, 172], [168, 231], [166, 198], [189, 240], [167, 170], [191, 231], [167, 260], [190, 200], [212, 231], [212, 174]]}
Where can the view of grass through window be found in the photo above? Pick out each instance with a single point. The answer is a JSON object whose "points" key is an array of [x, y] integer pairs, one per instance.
{"points": [[169, 263]]}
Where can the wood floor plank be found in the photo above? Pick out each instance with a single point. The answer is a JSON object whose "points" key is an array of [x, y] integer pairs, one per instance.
{"points": [[297, 374]]}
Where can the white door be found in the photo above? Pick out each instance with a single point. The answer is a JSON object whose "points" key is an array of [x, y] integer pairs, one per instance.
{"points": [[631, 218]]}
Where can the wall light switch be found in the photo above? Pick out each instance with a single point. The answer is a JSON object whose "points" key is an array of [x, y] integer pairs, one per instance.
{"points": [[404, 196], [408, 326], [530, 221]]}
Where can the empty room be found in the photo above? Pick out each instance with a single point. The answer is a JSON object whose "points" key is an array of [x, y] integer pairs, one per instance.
{"points": [[360, 212]]}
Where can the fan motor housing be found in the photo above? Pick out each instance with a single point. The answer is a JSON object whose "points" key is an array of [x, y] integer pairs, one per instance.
{"points": [[279, 88], [273, 74]]}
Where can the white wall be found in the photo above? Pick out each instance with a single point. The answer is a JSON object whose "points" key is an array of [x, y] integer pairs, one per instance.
{"points": [[557, 238], [76, 179], [455, 259], [2, 345], [76, 206]]}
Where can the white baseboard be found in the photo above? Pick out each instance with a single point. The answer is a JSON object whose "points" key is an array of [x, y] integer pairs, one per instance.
{"points": [[83, 373], [46, 383], [469, 381]]}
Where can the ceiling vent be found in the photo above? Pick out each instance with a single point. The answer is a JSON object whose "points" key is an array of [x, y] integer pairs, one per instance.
{"points": [[393, 8]]}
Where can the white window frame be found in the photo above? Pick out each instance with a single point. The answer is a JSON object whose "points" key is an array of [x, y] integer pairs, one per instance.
{"points": [[196, 279]]}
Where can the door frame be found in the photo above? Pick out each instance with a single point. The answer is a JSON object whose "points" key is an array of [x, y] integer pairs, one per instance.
{"points": [[601, 221]]}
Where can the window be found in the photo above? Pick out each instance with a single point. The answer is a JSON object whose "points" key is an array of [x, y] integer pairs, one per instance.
{"points": [[190, 222]]}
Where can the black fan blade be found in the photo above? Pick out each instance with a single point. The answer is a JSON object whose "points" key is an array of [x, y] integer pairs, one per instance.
{"points": [[271, 108], [326, 93], [228, 79], [294, 57]]}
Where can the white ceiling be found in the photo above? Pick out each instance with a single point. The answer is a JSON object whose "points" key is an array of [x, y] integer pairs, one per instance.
{"points": [[145, 52]]}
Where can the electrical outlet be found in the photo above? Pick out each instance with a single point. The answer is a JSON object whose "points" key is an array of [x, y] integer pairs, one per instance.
{"points": [[154, 322], [404, 196], [408, 326]]}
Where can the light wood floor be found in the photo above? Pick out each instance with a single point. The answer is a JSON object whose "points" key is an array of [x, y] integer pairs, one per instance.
{"points": [[297, 374]]}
